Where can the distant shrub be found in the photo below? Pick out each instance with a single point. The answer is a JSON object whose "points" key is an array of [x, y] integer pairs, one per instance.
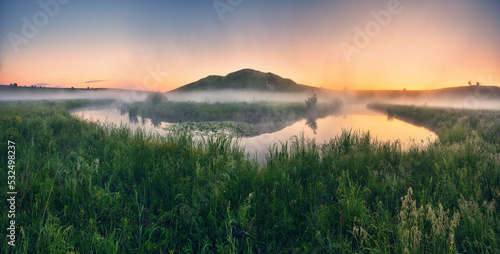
{"points": [[156, 98], [311, 102]]}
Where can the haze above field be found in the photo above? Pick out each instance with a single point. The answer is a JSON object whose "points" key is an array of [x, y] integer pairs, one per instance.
{"points": [[163, 45], [475, 97]]}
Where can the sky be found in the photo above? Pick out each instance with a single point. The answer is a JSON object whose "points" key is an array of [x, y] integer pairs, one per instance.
{"points": [[162, 45]]}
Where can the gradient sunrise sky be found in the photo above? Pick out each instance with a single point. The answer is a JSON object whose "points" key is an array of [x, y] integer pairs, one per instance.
{"points": [[161, 45]]}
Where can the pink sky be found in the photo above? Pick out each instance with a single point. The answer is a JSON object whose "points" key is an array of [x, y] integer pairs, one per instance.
{"points": [[419, 46]]}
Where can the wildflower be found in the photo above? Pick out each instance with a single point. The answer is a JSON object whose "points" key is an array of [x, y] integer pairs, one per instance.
{"points": [[452, 246]]}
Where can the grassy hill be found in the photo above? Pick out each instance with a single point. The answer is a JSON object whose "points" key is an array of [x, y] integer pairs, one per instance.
{"points": [[246, 79], [485, 92]]}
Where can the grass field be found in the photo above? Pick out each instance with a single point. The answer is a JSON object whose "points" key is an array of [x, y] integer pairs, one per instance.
{"points": [[85, 188]]}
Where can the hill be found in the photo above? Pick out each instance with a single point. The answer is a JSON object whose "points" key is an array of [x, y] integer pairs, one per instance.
{"points": [[483, 92], [246, 79], [459, 92]]}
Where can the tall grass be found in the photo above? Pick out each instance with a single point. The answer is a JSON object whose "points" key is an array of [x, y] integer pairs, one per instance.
{"points": [[122, 191]]}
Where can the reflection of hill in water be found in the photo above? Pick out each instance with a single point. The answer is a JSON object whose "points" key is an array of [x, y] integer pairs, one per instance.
{"points": [[271, 127]]}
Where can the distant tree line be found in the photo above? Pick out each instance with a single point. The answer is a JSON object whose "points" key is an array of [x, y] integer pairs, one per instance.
{"points": [[34, 86]]}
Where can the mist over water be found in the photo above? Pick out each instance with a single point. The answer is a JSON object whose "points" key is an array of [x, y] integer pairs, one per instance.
{"points": [[480, 97], [472, 97], [239, 96], [52, 94]]}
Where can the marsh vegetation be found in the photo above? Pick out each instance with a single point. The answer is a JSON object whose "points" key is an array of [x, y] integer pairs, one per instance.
{"points": [[116, 190], [244, 118]]}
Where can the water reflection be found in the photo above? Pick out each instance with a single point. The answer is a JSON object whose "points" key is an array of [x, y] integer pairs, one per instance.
{"points": [[118, 118], [390, 115], [133, 119], [311, 123], [322, 130], [155, 121]]}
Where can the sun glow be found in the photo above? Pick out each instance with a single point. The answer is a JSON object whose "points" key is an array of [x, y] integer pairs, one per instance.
{"points": [[419, 46]]}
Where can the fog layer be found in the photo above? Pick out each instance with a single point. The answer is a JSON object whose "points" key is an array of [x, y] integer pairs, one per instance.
{"points": [[472, 97]]}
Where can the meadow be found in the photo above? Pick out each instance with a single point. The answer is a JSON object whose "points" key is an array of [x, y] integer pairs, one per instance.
{"points": [[88, 188]]}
